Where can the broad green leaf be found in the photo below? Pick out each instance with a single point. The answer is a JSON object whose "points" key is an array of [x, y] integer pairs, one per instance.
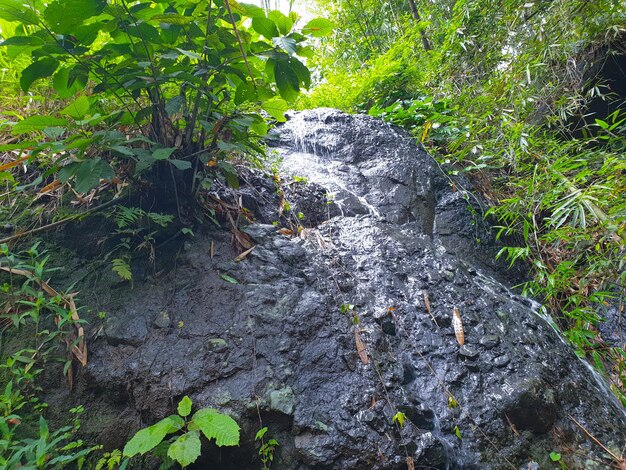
{"points": [[148, 438], [282, 22], [40, 69], [67, 81], [174, 104], [36, 123], [287, 80], [163, 154], [145, 32], [301, 70], [78, 109], [181, 164], [23, 41], [20, 145], [265, 27], [236, 7], [64, 15], [190, 54], [253, 11], [276, 107], [89, 174], [259, 127], [184, 407], [230, 174], [215, 425], [16, 10], [306, 51], [172, 18], [287, 44], [186, 449], [318, 27]]}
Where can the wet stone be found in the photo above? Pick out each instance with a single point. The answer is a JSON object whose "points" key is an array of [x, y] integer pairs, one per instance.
{"points": [[282, 400], [468, 352], [162, 320], [501, 361], [489, 341], [280, 329]]}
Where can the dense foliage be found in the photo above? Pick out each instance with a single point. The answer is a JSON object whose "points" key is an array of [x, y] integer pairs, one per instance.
{"points": [[515, 93]]}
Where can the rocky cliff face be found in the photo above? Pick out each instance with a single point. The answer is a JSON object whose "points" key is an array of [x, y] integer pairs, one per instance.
{"points": [[328, 335]]}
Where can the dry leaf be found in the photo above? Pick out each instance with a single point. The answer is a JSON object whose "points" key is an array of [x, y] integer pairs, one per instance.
{"points": [[360, 347], [281, 204], [6, 166], [373, 403], [242, 239], [428, 309], [457, 324], [212, 249], [286, 232], [243, 255], [49, 187], [410, 465]]}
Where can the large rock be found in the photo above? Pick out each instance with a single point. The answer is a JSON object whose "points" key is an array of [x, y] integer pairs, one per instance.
{"points": [[276, 350]]}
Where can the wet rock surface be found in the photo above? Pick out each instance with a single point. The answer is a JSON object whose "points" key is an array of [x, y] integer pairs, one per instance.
{"points": [[275, 350]]}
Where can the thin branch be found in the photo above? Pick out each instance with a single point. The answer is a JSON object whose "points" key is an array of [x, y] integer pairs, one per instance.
{"points": [[243, 52]]}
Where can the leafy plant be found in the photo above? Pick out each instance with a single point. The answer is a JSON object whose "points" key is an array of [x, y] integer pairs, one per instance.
{"points": [[190, 78], [184, 446], [267, 449], [399, 418]]}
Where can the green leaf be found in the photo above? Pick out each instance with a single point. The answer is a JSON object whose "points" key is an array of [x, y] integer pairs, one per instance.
{"points": [[16, 10], [318, 27], [215, 425], [260, 433], [90, 172], [253, 11], [172, 18], [228, 278], [122, 269], [181, 164], [284, 23], [399, 418], [40, 69], [276, 107], [287, 80], [163, 154], [64, 15], [265, 27], [555, 456], [230, 174], [148, 438], [36, 123], [78, 109], [184, 407], [186, 449], [23, 41], [302, 71], [457, 432], [190, 54], [67, 81], [287, 44]]}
